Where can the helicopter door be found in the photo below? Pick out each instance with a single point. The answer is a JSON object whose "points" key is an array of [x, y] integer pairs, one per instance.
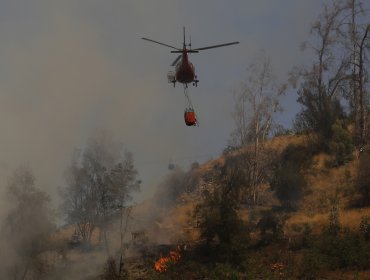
{"points": [[171, 76]]}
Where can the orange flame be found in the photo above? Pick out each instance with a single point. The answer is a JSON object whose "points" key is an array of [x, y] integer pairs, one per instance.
{"points": [[278, 267], [162, 264]]}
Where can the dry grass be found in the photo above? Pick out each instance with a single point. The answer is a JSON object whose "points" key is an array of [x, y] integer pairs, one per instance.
{"points": [[281, 142], [209, 166], [326, 184], [348, 218], [347, 275], [181, 217], [277, 144]]}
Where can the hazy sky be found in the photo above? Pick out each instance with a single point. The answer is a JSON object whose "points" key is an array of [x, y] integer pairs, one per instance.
{"points": [[70, 67]]}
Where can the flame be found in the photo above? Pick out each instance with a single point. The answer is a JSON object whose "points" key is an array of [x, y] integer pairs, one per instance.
{"points": [[162, 264], [278, 267]]}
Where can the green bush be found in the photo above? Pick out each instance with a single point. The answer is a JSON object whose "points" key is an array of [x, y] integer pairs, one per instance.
{"points": [[225, 236], [310, 266], [224, 271], [271, 227], [289, 185], [365, 228], [340, 248], [288, 181], [363, 179], [347, 250], [340, 146], [334, 227], [306, 240]]}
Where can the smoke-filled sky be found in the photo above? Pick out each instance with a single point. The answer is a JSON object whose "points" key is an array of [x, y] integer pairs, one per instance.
{"points": [[68, 68]]}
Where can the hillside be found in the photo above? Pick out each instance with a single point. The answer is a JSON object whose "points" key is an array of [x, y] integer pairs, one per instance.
{"points": [[283, 257], [203, 223]]}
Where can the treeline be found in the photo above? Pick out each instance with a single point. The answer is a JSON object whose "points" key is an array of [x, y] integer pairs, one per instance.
{"points": [[333, 91]]}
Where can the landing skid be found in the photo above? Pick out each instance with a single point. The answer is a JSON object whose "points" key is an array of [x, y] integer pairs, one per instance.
{"points": [[196, 81]]}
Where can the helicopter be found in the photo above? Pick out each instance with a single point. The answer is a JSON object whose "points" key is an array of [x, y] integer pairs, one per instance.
{"points": [[184, 70]]}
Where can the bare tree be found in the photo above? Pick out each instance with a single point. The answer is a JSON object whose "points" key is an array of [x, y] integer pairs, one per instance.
{"points": [[255, 107], [356, 41], [256, 104], [363, 92], [79, 202], [112, 271], [27, 228], [116, 196]]}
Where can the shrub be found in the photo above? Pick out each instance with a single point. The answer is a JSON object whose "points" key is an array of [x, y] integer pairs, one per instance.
{"points": [[365, 228], [270, 226], [334, 226], [363, 179], [305, 240], [223, 272], [289, 185], [340, 146], [347, 250], [288, 181], [310, 266], [224, 234], [342, 248]]}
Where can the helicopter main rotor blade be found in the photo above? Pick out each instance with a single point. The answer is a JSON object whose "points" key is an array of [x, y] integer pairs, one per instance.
{"points": [[176, 60], [216, 46], [185, 51], [150, 40]]}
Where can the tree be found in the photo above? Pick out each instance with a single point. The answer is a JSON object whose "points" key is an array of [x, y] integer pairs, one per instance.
{"points": [[324, 81], [256, 104], [355, 42], [245, 176], [255, 107], [27, 227], [99, 183], [112, 271], [340, 146], [221, 228], [362, 80]]}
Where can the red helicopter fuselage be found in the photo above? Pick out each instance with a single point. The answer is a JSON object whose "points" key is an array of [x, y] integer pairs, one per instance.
{"points": [[185, 72]]}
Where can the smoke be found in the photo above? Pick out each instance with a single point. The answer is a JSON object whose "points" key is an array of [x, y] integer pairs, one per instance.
{"points": [[27, 227], [70, 68], [60, 87]]}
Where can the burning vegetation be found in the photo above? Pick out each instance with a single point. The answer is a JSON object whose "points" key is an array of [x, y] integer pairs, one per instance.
{"points": [[162, 264]]}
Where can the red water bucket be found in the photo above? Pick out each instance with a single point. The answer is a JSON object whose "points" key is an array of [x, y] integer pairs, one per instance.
{"points": [[190, 118]]}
